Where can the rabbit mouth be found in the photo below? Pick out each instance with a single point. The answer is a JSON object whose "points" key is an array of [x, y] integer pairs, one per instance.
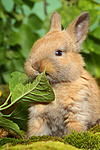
{"points": [[48, 77], [51, 79], [47, 74]]}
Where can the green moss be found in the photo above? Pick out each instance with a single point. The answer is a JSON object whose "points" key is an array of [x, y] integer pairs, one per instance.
{"points": [[95, 129], [13, 141], [45, 138], [50, 145], [86, 140], [40, 138]]}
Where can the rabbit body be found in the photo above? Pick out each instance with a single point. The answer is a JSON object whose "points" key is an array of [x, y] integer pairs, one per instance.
{"points": [[77, 96]]}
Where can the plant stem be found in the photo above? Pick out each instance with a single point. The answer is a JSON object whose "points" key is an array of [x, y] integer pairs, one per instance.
{"points": [[5, 103], [45, 4]]}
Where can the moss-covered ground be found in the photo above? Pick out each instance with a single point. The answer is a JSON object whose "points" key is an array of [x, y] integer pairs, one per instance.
{"points": [[87, 140], [49, 145]]}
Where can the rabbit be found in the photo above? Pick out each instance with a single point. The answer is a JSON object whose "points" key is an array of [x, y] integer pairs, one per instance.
{"points": [[77, 96]]}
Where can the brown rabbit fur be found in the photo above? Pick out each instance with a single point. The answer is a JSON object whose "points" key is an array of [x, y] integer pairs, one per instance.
{"points": [[77, 96]]}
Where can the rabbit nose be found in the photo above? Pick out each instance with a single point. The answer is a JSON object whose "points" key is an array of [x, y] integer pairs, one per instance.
{"points": [[36, 66]]}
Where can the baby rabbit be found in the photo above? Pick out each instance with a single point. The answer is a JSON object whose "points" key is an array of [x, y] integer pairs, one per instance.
{"points": [[77, 96]]}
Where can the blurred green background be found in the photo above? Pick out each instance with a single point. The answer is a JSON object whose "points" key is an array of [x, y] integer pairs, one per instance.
{"points": [[22, 22]]}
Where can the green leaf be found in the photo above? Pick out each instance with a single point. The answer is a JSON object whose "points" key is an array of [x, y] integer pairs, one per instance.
{"points": [[9, 125], [93, 16], [38, 91], [2, 56], [87, 5], [37, 0], [17, 77], [52, 6], [69, 13], [18, 2], [13, 38], [6, 76], [1, 36], [85, 48], [96, 33], [8, 5], [35, 22], [95, 1], [18, 17], [17, 24], [28, 3], [93, 63], [27, 39], [93, 44], [20, 115]]}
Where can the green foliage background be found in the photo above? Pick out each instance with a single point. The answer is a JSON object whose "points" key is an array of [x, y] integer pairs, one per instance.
{"points": [[22, 22]]}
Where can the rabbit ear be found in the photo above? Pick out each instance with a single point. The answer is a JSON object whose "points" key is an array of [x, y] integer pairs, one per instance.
{"points": [[78, 29], [55, 24]]}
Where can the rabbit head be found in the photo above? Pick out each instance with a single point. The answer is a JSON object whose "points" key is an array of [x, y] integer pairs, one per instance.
{"points": [[58, 50]]}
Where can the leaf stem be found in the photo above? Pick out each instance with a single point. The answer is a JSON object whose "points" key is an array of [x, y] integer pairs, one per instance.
{"points": [[5, 103], [1, 109], [45, 9]]}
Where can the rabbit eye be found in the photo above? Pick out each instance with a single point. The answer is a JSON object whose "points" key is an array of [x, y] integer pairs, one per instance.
{"points": [[58, 53]]}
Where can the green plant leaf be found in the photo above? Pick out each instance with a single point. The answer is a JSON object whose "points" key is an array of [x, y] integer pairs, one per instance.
{"points": [[35, 22], [37, 0], [38, 91], [93, 44], [69, 13], [27, 39], [96, 33], [18, 2], [94, 13], [28, 3], [20, 115], [8, 5], [93, 63], [1, 36], [13, 38], [17, 77], [9, 125]]}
